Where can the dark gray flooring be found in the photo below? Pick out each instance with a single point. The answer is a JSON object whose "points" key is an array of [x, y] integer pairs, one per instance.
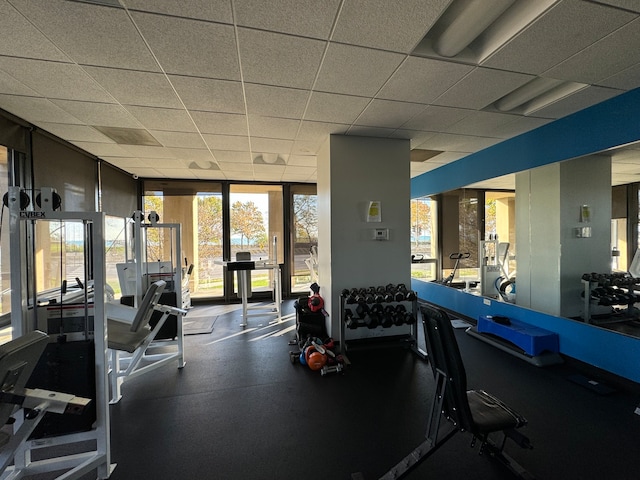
{"points": [[240, 410]]}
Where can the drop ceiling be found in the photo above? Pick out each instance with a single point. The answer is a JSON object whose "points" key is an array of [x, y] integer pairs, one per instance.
{"points": [[248, 90]]}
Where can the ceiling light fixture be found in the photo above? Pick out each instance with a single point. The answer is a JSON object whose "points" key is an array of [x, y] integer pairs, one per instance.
{"points": [[526, 92], [536, 95], [472, 30], [469, 19]]}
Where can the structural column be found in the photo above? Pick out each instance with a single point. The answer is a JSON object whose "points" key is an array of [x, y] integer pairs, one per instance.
{"points": [[353, 171], [563, 230]]}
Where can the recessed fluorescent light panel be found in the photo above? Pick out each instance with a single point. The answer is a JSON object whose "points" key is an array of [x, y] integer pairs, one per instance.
{"points": [[471, 30]]}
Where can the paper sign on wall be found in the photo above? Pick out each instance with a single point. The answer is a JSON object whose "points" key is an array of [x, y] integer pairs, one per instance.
{"points": [[373, 213]]}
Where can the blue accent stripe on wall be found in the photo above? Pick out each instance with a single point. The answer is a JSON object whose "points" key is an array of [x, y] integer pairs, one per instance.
{"points": [[602, 348], [608, 124]]}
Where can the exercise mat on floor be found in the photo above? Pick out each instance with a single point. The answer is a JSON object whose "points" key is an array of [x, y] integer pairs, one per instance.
{"points": [[198, 325]]}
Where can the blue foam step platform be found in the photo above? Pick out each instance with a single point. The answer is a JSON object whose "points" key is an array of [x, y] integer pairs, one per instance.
{"points": [[532, 340]]}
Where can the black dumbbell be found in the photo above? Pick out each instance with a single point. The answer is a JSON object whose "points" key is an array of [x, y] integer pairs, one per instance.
{"points": [[349, 321]]}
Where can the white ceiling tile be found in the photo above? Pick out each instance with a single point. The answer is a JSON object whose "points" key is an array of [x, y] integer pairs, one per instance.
{"points": [[370, 131], [458, 143], [303, 161], [192, 154], [584, 98], [226, 157], [11, 86], [100, 149], [71, 83], [36, 109], [482, 124], [162, 163], [26, 40], [416, 137], [146, 172], [604, 58], [269, 169], [101, 114], [356, 70], [125, 163], [191, 47], [206, 94], [387, 25], [422, 80], [213, 10], [227, 142], [163, 118], [632, 5], [436, 119], [282, 128], [318, 131], [71, 133], [179, 139], [275, 101], [307, 18], [388, 113], [270, 145], [627, 79], [277, 59], [221, 123], [482, 87], [332, 108], [144, 151], [90, 34], [564, 30], [307, 147], [136, 88]]}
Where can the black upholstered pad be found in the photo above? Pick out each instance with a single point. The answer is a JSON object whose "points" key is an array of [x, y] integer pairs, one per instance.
{"points": [[490, 414]]}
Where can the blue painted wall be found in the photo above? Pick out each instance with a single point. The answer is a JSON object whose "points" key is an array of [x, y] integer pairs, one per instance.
{"points": [[606, 125], [602, 348]]}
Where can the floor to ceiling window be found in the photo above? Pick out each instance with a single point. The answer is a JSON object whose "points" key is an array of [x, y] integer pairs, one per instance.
{"points": [[256, 228], [304, 233], [5, 266], [424, 245], [197, 207]]}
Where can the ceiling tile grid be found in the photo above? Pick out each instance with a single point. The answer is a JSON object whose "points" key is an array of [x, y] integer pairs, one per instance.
{"points": [[250, 90]]}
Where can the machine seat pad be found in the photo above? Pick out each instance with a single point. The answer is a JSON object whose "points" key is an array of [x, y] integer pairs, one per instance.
{"points": [[122, 338], [490, 414]]}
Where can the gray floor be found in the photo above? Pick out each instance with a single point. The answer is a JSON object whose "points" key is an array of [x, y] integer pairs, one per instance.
{"points": [[241, 410]]}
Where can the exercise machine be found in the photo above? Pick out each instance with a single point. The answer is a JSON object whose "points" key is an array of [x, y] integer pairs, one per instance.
{"points": [[472, 411], [38, 233]]}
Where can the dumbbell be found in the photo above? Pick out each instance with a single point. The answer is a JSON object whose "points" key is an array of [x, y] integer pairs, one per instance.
{"points": [[387, 317], [399, 314], [349, 320], [375, 316], [399, 292], [379, 295], [362, 309]]}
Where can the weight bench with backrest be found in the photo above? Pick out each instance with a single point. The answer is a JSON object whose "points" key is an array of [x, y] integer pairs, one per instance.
{"points": [[473, 411], [128, 331]]}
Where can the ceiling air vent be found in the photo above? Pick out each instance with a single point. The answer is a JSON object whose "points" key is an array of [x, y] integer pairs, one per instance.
{"points": [[129, 136]]}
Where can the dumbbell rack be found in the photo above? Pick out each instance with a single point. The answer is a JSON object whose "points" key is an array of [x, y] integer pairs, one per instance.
{"points": [[624, 285], [397, 335]]}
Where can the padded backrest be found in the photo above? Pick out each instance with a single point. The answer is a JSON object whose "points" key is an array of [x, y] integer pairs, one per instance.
{"points": [[444, 355], [18, 358], [149, 301]]}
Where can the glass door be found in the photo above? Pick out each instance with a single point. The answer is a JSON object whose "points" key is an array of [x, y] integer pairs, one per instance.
{"points": [[256, 229]]}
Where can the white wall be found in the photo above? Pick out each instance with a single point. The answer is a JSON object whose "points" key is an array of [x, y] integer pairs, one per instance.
{"points": [[351, 172]]}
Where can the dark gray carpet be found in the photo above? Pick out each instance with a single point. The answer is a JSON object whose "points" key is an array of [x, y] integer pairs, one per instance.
{"points": [[240, 410]]}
